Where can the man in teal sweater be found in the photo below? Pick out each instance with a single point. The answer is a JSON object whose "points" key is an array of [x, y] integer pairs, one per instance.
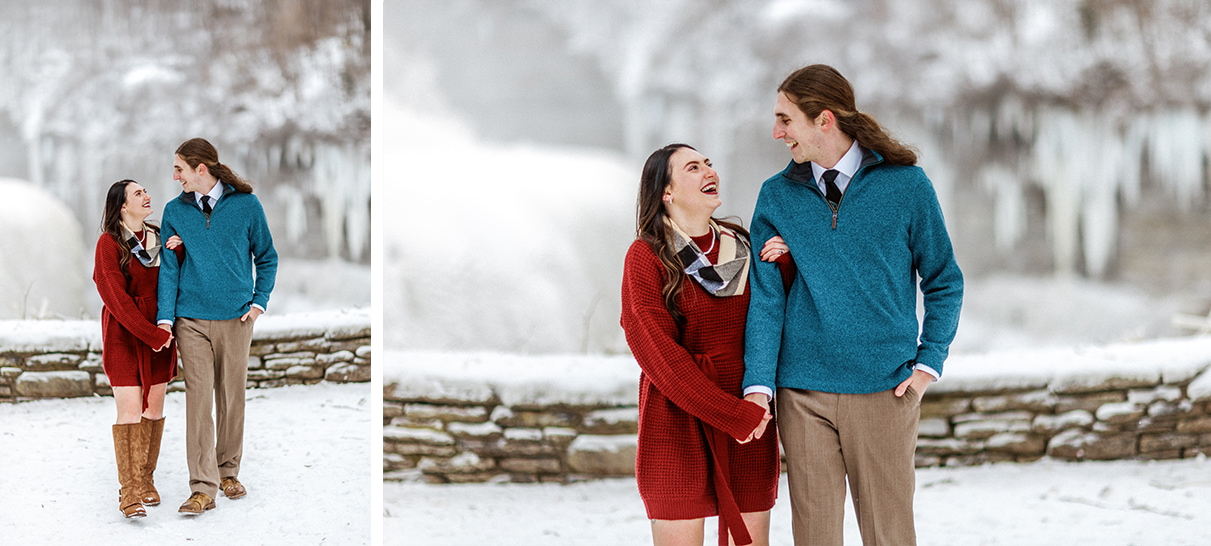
{"points": [[210, 302], [842, 345]]}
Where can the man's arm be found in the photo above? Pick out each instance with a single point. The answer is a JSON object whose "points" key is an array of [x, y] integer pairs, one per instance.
{"points": [[766, 311], [941, 281], [265, 261], [169, 278]]}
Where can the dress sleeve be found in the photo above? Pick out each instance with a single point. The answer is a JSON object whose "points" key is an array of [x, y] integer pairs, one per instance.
{"points": [[651, 334], [111, 285], [788, 270]]}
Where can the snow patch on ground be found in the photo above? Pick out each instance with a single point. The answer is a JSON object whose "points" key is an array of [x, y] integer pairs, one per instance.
{"points": [[1047, 503], [307, 466]]}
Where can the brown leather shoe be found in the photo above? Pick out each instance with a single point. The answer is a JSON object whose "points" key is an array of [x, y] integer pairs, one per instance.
{"points": [[197, 503], [232, 487]]}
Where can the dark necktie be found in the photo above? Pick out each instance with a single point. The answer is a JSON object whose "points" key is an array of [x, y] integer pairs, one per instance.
{"points": [[206, 204], [833, 194]]}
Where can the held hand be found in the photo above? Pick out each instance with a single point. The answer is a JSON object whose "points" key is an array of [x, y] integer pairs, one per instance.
{"points": [[919, 381], [763, 401], [165, 345], [759, 399], [774, 248], [253, 313], [173, 242], [168, 329]]}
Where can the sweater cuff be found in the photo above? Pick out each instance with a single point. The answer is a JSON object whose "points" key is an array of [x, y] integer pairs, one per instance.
{"points": [[162, 338], [751, 416]]}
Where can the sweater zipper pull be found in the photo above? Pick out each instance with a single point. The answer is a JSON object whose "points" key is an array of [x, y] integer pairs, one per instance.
{"points": [[834, 219]]}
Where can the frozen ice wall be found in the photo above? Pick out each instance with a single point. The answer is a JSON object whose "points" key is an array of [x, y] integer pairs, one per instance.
{"points": [[1067, 115], [1066, 139], [100, 90]]}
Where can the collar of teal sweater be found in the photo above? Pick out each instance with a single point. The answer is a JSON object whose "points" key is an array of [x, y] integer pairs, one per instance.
{"points": [[802, 172], [188, 197]]}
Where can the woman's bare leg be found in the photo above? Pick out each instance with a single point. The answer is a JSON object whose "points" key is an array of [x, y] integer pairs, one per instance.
{"points": [[758, 528], [155, 401], [130, 404], [677, 532]]}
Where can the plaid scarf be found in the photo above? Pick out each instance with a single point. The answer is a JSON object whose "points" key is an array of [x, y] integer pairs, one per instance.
{"points": [[726, 278], [149, 256]]}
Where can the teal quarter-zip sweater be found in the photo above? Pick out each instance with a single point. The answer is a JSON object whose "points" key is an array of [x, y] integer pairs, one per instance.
{"points": [[215, 281], [848, 323]]}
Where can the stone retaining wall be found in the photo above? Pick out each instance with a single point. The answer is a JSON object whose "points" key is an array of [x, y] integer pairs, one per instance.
{"points": [[61, 359], [449, 427]]}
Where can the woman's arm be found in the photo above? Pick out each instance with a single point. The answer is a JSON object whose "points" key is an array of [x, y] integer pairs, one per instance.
{"points": [[111, 285], [652, 336], [777, 251]]}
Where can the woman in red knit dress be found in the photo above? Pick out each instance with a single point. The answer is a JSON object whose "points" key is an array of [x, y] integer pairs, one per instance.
{"points": [[139, 358], [703, 450]]}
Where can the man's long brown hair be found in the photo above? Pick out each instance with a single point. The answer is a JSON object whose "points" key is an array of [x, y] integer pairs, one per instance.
{"points": [[197, 151], [650, 224], [819, 87], [111, 223]]}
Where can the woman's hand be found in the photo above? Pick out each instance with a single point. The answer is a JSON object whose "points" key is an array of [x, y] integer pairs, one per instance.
{"points": [[774, 248], [761, 400], [175, 241], [168, 329]]}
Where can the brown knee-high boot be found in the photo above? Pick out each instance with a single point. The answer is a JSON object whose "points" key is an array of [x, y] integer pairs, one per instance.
{"points": [[129, 449], [154, 430]]}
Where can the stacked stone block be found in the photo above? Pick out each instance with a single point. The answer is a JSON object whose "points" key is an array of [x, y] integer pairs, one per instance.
{"points": [[69, 365], [471, 436], [467, 434]]}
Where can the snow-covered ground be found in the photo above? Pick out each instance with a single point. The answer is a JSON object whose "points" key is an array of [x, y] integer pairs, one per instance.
{"points": [[1047, 503], [307, 466]]}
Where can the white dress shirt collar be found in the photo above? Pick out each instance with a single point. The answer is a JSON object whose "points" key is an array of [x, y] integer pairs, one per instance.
{"points": [[215, 193], [847, 167]]}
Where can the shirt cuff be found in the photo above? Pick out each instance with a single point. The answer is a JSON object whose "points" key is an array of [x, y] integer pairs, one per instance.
{"points": [[163, 321], [259, 307], [928, 370], [761, 389]]}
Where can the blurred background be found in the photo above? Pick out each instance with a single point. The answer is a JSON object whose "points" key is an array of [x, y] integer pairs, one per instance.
{"points": [[1068, 141], [95, 91]]}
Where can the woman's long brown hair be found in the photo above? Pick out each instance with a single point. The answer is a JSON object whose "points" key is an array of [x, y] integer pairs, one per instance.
{"points": [[651, 227], [111, 223], [819, 87]]}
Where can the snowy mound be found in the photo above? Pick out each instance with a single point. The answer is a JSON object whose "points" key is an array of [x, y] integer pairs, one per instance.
{"points": [[514, 247], [41, 274]]}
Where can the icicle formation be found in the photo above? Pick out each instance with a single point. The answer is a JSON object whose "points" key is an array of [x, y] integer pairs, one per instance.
{"points": [[1087, 165]]}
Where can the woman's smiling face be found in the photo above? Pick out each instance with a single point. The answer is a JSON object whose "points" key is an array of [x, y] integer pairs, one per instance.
{"points": [[693, 184], [138, 202]]}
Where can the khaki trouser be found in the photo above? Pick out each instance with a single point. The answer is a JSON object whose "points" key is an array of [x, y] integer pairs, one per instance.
{"points": [[214, 359], [869, 438]]}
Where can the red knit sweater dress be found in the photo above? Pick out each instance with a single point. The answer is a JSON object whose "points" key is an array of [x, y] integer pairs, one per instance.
{"points": [[673, 466], [128, 321]]}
